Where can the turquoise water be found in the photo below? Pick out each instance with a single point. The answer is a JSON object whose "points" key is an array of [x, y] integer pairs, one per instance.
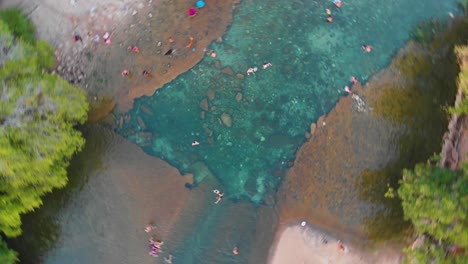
{"points": [[312, 62]]}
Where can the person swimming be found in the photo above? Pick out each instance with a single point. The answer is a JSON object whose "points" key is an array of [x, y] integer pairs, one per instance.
{"points": [[148, 228], [266, 65], [219, 194], [367, 48], [252, 70], [168, 259], [330, 18], [337, 3]]}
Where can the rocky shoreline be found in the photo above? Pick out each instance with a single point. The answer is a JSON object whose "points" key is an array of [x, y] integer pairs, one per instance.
{"points": [[95, 66], [455, 141]]}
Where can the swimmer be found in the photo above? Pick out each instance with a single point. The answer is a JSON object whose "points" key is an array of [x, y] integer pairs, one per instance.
{"points": [[266, 65], [219, 194], [134, 49], [168, 259], [148, 229], [235, 250], [218, 199], [125, 73], [328, 11], [213, 54], [353, 80], [367, 48], [252, 70], [195, 143], [348, 90], [329, 19], [337, 3]]}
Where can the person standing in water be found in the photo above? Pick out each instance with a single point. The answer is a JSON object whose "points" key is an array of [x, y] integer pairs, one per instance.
{"points": [[168, 259]]}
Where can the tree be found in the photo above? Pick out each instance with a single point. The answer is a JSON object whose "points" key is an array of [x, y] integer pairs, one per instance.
{"points": [[7, 256], [38, 112], [436, 201], [18, 24]]}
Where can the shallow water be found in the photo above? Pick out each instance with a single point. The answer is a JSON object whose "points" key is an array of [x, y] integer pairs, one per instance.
{"points": [[272, 109], [312, 61]]}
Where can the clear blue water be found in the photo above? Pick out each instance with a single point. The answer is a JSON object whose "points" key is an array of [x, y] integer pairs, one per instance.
{"points": [[312, 62]]}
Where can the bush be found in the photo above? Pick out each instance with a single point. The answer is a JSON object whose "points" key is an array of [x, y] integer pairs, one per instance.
{"points": [[19, 25]]}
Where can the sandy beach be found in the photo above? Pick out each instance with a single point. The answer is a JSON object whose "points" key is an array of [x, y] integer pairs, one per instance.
{"points": [[306, 245]]}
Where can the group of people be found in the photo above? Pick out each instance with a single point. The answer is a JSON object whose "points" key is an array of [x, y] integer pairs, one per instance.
{"points": [[255, 69], [155, 245], [338, 4], [353, 81]]}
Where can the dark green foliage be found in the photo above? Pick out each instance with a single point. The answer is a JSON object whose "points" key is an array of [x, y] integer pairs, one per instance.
{"points": [[18, 24], [7, 256], [38, 112], [435, 200], [462, 53], [463, 4], [425, 32], [431, 252]]}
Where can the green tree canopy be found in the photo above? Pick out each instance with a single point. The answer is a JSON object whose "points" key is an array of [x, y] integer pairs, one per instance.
{"points": [[38, 112], [436, 201]]}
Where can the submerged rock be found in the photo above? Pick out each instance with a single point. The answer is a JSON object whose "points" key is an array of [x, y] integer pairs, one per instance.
{"points": [[226, 119], [239, 97], [204, 105], [211, 94]]}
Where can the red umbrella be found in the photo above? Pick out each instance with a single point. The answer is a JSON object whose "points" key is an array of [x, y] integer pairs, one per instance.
{"points": [[192, 11]]}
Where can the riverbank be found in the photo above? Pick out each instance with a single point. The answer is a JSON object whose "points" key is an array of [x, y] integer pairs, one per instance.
{"points": [[154, 26], [358, 150], [307, 245]]}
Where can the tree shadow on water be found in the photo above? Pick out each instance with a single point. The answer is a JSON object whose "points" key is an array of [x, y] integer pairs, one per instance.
{"points": [[415, 102], [42, 227]]}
